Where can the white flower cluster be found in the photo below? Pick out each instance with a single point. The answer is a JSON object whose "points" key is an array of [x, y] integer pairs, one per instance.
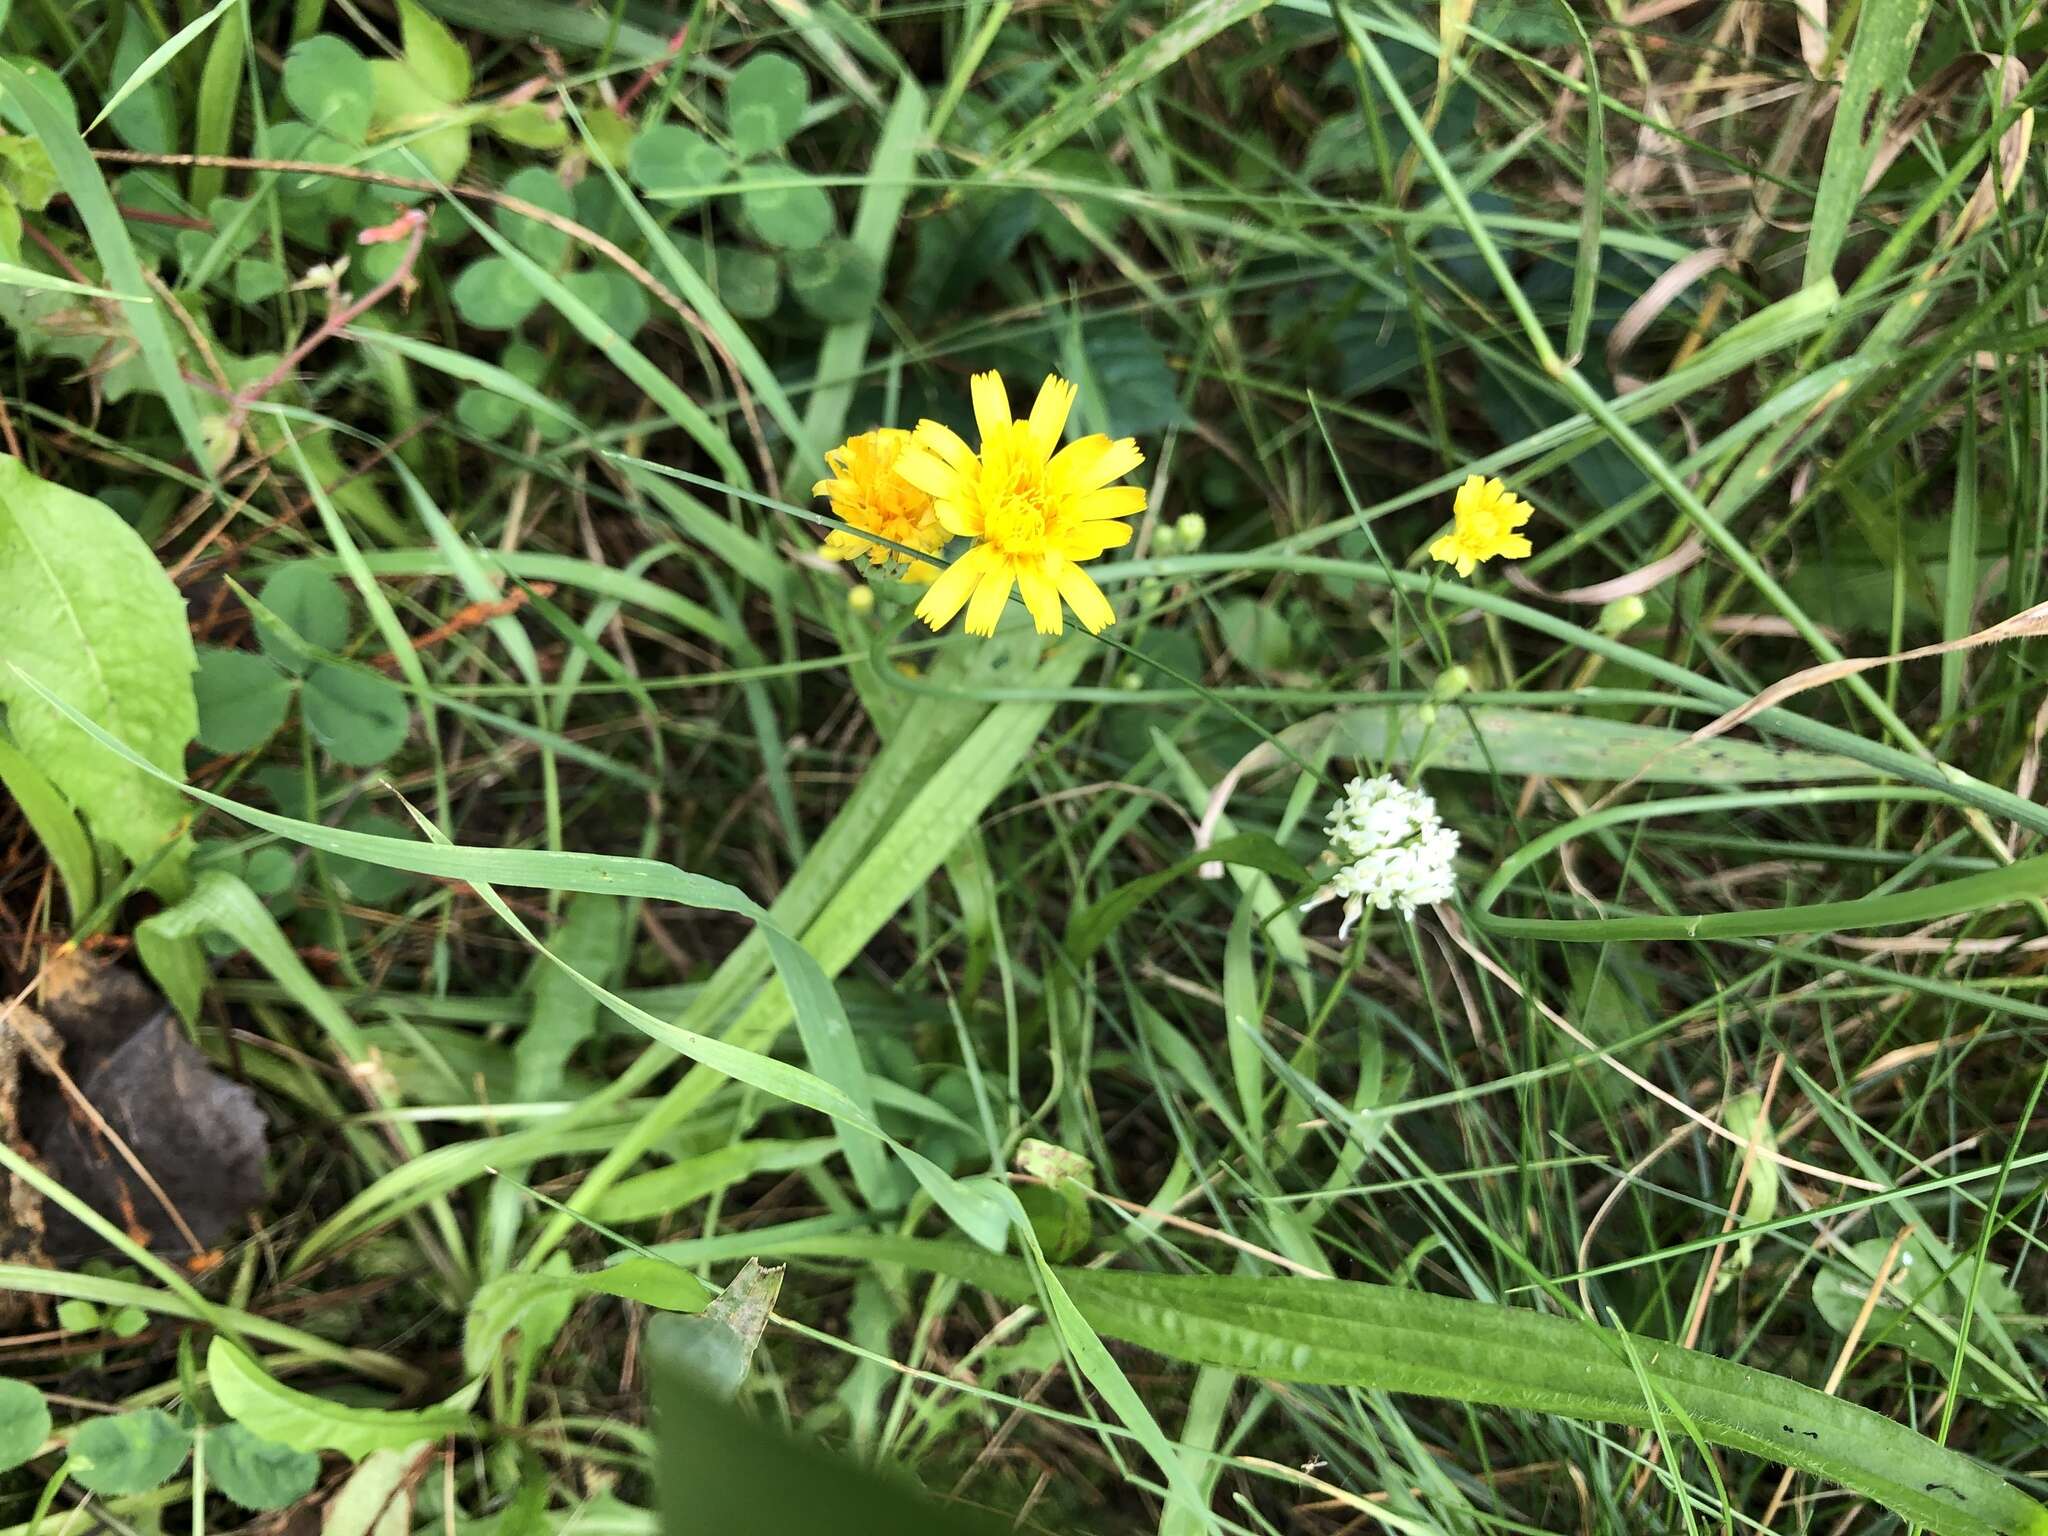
{"points": [[1391, 850]]}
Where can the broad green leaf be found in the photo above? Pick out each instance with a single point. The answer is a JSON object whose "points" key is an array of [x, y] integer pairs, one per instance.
{"points": [[835, 281], [24, 1422], [677, 165], [128, 1452], [257, 1473], [242, 699], [515, 1301], [610, 135], [359, 717], [1383, 1338], [528, 124], [54, 823], [427, 137], [1125, 362], [541, 187], [257, 279], [250, 1395], [593, 941], [749, 283], [1921, 1306], [486, 412], [787, 209], [372, 885], [310, 610], [91, 616], [1256, 634], [1511, 741], [765, 101], [492, 294], [1060, 1219], [141, 115], [432, 52], [613, 296], [329, 84], [721, 1470]]}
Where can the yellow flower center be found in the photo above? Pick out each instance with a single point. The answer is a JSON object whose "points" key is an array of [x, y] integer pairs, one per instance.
{"points": [[1015, 525]]}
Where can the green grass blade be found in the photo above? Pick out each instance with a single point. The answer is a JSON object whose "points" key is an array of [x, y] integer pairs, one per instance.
{"points": [[80, 178], [159, 56]]}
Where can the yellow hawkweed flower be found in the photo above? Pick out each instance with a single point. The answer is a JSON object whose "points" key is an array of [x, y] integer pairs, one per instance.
{"points": [[1034, 513], [1484, 521], [869, 493]]}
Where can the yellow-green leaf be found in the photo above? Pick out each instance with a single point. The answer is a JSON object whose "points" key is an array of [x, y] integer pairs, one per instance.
{"points": [[92, 617]]}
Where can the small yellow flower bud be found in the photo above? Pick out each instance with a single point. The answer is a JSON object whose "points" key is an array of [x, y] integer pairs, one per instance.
{"points": [[1191, 530], [861, 599]]}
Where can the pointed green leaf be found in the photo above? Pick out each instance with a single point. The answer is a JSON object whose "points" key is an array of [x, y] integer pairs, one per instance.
{"points": [[250, 1395]]}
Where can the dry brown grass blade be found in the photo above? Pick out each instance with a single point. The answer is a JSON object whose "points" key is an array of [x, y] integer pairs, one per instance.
{"points": [[1925, 101], [1655, 299], [2022, 625], [1633, 583]]}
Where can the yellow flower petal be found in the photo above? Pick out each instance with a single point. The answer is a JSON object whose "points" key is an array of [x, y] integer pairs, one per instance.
{"points": [[1111, 501], [962, 519], [1035, 510], [1042, 596], [1084, 597], [1095, 461], [928, 473], [990, 594], [880, 508], [1484, 516], [991, 408], [1049, 415], [1088, 540], [954, 585], [936, 437]]}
